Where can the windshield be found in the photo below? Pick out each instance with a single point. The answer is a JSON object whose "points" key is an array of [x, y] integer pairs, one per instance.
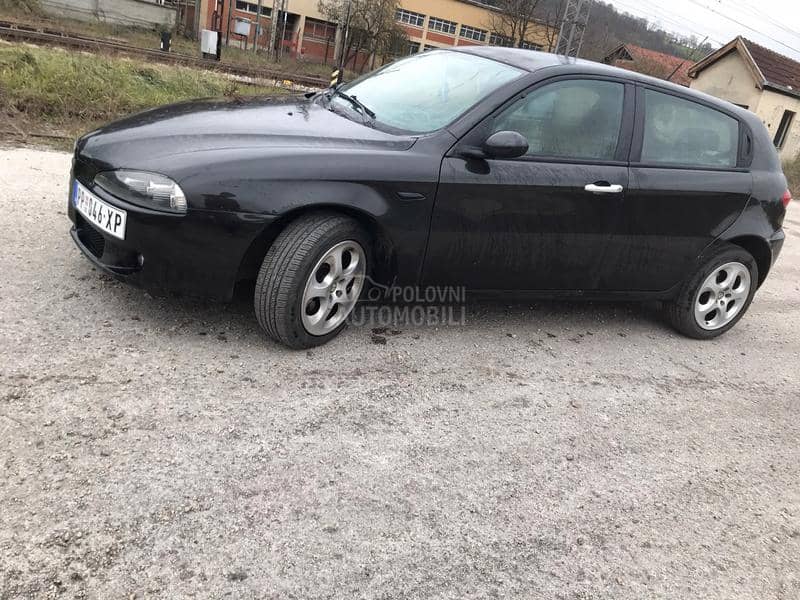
{"points": [[425, 92]]}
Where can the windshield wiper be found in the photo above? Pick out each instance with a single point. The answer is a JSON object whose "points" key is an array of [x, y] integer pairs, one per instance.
{"points": [[355, 102]]}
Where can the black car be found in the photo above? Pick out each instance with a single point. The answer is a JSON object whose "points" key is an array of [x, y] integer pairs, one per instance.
{"points": [[495, 169]]}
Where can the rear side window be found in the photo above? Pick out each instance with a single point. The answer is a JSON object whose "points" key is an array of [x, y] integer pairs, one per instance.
{"points": [[681, 132], [577, 119]]}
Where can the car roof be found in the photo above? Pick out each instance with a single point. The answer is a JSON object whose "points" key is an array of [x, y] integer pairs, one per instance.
{"points": [[532, 61], [528, 60]]}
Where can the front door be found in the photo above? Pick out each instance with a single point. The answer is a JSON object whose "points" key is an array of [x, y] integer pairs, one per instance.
{"points": [[546, 220]]}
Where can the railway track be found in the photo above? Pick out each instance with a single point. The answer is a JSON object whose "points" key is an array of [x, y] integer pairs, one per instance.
{"points": [[10, 30]]}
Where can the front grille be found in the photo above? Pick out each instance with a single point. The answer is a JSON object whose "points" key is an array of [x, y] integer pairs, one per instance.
{"points": [[92, 239]]}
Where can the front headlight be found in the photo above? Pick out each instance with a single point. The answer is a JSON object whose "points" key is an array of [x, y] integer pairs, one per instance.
{"points": [[149, 190]]}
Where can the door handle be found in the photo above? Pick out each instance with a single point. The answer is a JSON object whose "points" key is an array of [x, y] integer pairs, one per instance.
{"points": [[604, 188]]}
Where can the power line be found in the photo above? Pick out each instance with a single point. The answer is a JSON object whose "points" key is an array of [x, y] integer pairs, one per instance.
{"points": [[740, 24], [649, 11], [765, 17], [655, 10]]}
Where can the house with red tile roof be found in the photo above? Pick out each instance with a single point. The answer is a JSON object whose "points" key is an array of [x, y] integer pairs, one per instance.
{"points": [[650, 62], [759, 79]]}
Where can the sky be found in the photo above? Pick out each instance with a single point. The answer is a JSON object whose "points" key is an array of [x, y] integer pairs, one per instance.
{"points": [[771, 23]]}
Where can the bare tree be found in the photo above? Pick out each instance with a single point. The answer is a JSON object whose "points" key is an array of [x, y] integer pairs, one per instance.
{"points": [[513, 20], [551, 16], [373, 30]]}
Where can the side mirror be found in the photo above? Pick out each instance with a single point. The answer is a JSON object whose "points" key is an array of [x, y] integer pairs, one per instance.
{"points": [[505, 144]]}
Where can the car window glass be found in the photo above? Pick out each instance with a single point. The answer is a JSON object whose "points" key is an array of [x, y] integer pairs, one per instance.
{"points": [[571, 119], [427, 91], [678, 131]]}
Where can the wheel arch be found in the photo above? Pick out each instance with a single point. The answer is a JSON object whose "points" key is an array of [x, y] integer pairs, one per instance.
{"points": [[385, 266], [759, 249]]}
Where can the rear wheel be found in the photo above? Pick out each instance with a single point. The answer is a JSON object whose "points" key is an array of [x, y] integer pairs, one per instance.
{"points": [[311, 279], [717, 295]]}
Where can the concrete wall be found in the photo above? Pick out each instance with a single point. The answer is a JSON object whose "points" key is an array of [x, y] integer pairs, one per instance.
{"points": [[771, 108], [729, 79], [125, 12]]}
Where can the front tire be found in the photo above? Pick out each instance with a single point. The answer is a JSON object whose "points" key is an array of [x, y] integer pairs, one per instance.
{"points": [[717, 295], [311, 279]]}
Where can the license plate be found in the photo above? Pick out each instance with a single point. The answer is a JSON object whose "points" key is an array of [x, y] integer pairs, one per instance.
{"points": [[100, 214]]}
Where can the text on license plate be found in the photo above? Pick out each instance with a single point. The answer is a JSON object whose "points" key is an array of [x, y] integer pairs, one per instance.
{"points": [[101, 214]]}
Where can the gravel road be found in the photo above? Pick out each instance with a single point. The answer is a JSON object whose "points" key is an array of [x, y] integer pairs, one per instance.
{"points": [[164, 448]]}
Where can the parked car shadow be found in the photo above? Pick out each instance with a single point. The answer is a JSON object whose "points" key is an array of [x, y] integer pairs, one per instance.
{"points": [[236, 320]]}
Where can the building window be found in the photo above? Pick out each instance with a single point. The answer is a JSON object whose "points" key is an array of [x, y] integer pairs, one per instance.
{"points": [[430, 47], [410, 18], [783, 128], [500, 40], [253, 8], [321, 30], [471, 33], [531, 46], [413, 48], [436, 24]]}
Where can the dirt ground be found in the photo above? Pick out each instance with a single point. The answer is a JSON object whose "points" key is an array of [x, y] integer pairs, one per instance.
{"points": [[164, 448]]}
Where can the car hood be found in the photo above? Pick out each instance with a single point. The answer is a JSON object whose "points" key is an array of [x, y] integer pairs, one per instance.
{"points": [[145, 139]]}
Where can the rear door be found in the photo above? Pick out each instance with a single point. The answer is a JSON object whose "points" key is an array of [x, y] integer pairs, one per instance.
{"points": [[688, 183]]}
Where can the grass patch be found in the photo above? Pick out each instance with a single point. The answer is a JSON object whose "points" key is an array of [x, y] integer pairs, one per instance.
{"points": [[792, 171], [21, 7], [27, 12], [73, 91]]}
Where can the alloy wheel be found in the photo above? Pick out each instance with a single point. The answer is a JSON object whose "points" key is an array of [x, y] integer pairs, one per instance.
{"points": [[333, 287], [722, 295]]}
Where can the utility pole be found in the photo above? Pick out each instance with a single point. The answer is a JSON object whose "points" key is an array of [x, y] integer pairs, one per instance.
{"points": [[198, 6], [343, 37], [690, 59], [277, 9], [573, 26], [228, 27], [258, 27]]}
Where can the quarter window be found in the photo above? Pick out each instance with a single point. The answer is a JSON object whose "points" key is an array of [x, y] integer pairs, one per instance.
{"points": [[577, 119], [410, 18], [436, 24], [682, 132], [471, 33]]}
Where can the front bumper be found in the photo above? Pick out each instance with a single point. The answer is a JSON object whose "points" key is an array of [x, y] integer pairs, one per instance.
{"points": [[195, 254]]}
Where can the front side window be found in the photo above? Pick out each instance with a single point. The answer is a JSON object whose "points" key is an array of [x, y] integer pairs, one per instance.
{"points": [[425, 92], [577, 119], [682, 132]]}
